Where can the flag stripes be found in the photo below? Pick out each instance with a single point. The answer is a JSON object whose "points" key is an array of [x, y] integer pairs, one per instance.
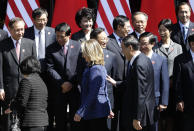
{"points": [[108, 9], [22, 9], [191, 2]]}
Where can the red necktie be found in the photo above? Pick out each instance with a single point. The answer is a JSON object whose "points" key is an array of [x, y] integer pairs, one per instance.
{"points": [[17, 49]]}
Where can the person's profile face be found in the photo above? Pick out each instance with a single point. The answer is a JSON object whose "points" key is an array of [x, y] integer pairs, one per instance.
{"points": [[86, 24], [17, 31], [163, 32], [124, 31], [192, 46], [40, 22], [61, 37], [102, 39], [184, 14], [145, 46], [139, 23]]}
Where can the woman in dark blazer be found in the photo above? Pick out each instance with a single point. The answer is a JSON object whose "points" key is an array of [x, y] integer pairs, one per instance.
{"points": [[31, 99], [95, 105], [85, 19], [169, 49]]}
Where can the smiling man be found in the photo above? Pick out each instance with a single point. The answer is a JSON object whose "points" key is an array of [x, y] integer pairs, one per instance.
{"points": [[184, 27], [13, 51]]}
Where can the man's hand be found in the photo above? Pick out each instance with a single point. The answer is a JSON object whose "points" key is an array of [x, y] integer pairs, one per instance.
{"points": [[66, 87], [7, 111], [2, 95], [111, 80], [162, 107], [137, 125], [111, 115], [180, 106], [77, 118]]}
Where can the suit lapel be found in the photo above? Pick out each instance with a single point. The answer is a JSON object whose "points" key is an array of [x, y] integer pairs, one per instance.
{"points": [[13, 51], [47, 36], [116, 45], [22, 50]]}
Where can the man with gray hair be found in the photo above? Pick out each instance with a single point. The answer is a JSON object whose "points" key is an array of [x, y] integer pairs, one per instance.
{"points": [[13, 51]]}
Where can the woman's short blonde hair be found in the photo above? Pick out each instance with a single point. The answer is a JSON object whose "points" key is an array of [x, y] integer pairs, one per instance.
{"points": [[93, 51]]}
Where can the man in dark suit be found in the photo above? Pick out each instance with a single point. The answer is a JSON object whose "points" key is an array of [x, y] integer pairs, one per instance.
{"points": [[43, 37], [109, 59], [161, 79], [13, 51], [184, 85], [138, 100], [62, 61], [139, 22], [121, 28], [184, 27], [3, 35]]}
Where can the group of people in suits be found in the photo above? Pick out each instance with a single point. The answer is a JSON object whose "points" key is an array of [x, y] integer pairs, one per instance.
{"points": [[128, 77]]}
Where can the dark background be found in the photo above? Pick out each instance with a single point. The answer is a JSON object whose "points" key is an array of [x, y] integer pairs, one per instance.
{"points": [[49, 5]]}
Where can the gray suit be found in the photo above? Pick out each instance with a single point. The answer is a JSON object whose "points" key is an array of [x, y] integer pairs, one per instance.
{"points": [[173, 51], [3, 35]]}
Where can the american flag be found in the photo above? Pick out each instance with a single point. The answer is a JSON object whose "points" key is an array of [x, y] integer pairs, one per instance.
{"points": [[22, 9], [191, 2], [108, 9]]}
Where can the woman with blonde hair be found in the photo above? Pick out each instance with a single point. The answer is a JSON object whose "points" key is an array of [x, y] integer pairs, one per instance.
{"points": [[95, 105]]}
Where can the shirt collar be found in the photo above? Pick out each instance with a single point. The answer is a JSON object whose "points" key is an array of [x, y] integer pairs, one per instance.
{"points": [[150, 54], [117, 38], [14, 41], [184, 25], [133, 58], [67, 43], [138, 34], [36, 31]]}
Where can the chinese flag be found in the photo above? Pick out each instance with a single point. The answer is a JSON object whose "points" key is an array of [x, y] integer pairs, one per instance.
{"points": [[191, 2], [156, 11], [65, 11]]}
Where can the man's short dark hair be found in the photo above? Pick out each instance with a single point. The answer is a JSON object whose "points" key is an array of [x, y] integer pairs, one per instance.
{"points": [[131, 40], [94, 34], [14, 20], [119, 20], [181, 4], [63, 27], [166, 23], [139, 13], [191, 38], [30, 65], [38, 12], [84, 12], [152, 38]]}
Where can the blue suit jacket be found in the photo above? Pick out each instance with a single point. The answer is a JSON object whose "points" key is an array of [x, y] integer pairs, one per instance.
{"points": [[161, 79], [94, 98]]}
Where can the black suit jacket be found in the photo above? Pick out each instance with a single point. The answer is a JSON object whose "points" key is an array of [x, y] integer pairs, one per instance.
{"points": [[79, 36], [31, 101], [3, 35], [139, 98], [10, 74], [184, 81], [63, 68], [49, 39], [177, 36], [134, 34]]}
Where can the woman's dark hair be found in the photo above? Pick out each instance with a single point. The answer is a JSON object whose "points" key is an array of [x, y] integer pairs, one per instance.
{"points": [[84, 12], [30, 65], [166, 23]]}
